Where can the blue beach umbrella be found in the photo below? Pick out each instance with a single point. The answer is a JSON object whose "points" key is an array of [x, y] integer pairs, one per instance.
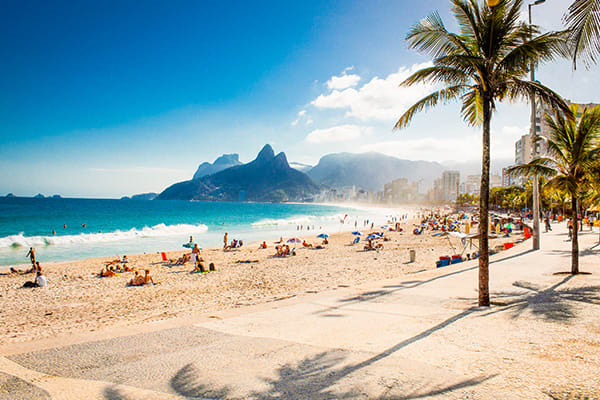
{"points": [[373, 236], [323, 236], [357, 233], [295, 240]]}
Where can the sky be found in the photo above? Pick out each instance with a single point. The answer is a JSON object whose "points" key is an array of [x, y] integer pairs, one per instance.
{"points": [[112, 98]]}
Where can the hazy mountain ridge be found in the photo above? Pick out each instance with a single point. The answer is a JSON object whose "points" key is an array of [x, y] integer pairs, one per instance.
{"points": [[141, 196], [267, 178], [223, 162], [370, 171]]}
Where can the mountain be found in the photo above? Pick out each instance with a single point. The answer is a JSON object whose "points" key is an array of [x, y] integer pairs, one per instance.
{"points": [[300, 166], [370, 171], [10, 195], [268, 178], [39, 196], [221, 163], [141, 196], [56, 196]]}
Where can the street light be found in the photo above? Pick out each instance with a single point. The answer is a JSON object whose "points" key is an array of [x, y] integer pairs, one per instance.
{"points": [[533, 132]]}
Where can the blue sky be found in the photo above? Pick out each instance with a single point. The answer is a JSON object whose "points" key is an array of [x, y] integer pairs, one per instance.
{"points": [[104, 99]]}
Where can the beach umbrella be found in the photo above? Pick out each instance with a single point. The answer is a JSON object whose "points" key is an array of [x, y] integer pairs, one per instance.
{"points": [[295, 240], [357, 233], [323, 236], [385, 227], [373, 236]]}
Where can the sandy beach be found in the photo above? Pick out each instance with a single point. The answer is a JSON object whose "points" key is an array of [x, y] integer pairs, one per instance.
{"points": [[77, 300]]}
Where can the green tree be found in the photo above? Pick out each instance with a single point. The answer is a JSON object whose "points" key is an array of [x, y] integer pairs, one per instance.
{"points": [[573, 152], [583, 22], [486, 62]]}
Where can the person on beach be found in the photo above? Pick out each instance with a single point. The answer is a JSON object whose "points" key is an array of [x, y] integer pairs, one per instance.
{"points": [[547, 223], [263, 245], [225, 241], [191, 240], [107, 272], [40, 281], [140, 280], [31, 255]]}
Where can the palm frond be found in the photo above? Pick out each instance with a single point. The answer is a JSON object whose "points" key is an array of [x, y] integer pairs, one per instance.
{"points": [[443, 95], [431, 36], [538, 166], [583, 21], [517, 88], [437, 74]]}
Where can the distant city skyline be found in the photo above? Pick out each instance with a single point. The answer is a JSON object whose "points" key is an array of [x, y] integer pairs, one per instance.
{"points": [[112, 99]]}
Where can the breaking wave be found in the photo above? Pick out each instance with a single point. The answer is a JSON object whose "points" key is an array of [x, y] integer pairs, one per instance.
{"points": [[299, 220], [155, 231]]}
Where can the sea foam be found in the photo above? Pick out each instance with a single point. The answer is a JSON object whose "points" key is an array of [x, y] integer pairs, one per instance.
{"points": [[299, 220], [146, 232]]}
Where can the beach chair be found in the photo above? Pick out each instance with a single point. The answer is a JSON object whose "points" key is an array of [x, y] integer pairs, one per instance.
{"points": [[356, 240]]}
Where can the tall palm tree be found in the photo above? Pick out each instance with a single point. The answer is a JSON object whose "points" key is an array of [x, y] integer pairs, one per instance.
{"points": [[583, 22], [486, 62], [574, 150]]}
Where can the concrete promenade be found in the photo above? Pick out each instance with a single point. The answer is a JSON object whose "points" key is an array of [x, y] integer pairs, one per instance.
{"points": [[421, 337]]}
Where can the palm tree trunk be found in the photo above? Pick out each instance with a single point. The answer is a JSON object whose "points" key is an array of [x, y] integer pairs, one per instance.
{"points": [[574, 241], [484, 197]]}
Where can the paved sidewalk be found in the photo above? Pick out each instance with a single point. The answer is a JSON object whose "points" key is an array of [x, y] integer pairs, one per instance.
{"points": [[422, 337]]}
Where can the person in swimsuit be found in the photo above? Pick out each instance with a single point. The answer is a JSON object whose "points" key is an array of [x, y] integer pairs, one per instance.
{"points": [[31, 255]]}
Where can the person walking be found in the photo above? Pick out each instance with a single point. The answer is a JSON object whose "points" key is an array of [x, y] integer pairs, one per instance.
{"points": [[547, 223], [31, 255]]}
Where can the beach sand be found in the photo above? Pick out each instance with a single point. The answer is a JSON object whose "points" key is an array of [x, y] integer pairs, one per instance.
{"points": [[76, 300]]}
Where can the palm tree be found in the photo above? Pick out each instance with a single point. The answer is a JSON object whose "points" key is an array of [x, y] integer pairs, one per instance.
{"points": [[574, 150], [486, 62], [583, 22]]}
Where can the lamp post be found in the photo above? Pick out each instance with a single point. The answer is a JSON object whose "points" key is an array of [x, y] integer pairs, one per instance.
{"points": [[533, 133]]}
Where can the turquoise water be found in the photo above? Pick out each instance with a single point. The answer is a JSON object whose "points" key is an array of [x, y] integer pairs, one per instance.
{"points": [[117, 227]]}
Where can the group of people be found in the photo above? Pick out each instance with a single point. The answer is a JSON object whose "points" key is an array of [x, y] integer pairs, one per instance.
{"points": [[283, 250], [40, 279], [235, 244], [121, 265]]}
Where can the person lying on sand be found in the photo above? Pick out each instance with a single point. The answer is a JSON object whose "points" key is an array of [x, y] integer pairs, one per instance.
{"points": [[263, 245], [325, 241], [305, 244], [34, 268], [183, 259], [107, 272]]}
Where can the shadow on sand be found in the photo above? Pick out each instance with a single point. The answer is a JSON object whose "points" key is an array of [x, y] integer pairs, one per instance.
{"points": [[313, 378]]}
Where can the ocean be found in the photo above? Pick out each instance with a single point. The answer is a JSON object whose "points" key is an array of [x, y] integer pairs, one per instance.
{"points": [[71, 229]]}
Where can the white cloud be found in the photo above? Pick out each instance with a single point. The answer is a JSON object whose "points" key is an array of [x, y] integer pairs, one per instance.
{"points": [[461, 148], [340, 133], [301, 113], [379, 99], [343, 82]]}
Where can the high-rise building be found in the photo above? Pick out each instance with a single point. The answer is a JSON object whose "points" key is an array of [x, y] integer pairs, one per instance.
{"points": [[450, 182], [525, 148]]}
